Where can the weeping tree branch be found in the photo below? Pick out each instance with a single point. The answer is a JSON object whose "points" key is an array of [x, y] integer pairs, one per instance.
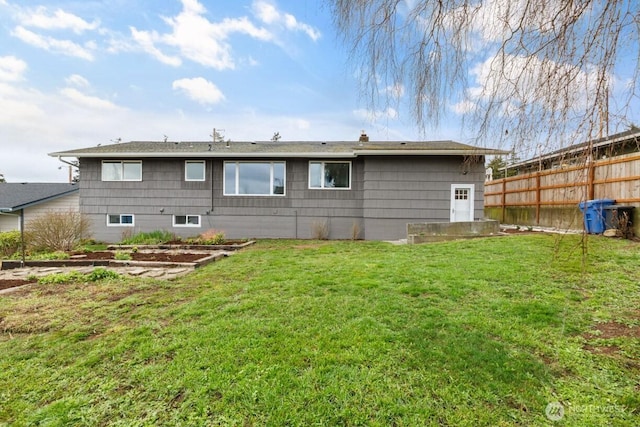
{"points": [[520, 73]]}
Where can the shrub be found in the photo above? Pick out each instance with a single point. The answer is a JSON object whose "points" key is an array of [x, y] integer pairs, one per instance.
{"points": [[46, 256], [156, 237], [102, 274], [75, 276], [122, 256], [57, 231], [57, 278], [9, 243], [320, 230], [212, 237]]}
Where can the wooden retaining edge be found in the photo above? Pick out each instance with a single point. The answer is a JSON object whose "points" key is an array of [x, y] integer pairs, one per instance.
{"points": [[11, 264]]}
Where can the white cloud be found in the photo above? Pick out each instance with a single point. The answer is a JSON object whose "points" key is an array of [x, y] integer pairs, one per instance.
{"points": [[20, 107], [463, 107], [145, 40], [58, 20], [199, 90], [87, 101], [197, 38], [11, 68], [269, 14], [396, 91], [517, 81], [77, 81], [65, 47], [369, 115]]}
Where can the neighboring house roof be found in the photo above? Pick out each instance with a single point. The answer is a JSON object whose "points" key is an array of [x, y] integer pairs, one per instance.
{"points": [[629, 138], [200, 149], [16, 196]]}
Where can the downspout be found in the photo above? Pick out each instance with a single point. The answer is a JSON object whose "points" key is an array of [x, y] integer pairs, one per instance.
{"points": [[22, 235], [71, 166]]}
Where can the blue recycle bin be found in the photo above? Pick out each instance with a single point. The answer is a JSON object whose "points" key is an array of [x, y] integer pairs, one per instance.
{"points": [[594, 216]]}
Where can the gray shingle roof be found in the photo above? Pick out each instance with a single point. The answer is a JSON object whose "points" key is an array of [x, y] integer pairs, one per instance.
{"points": [[280, 148], [16, 196]]}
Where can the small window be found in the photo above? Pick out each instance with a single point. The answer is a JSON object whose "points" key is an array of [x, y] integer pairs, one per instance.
{"points": [[194, 170], [186, 220], [330, 175], [122, 170], [123, 220], [254, 178]]}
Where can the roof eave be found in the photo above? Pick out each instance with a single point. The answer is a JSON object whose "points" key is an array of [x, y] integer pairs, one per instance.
{"points": [[43, 200], [313, 154]]}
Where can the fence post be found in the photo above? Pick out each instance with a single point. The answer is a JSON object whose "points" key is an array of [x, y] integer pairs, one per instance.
{"points": [[591, 177], [538, 201], [503, 197]]}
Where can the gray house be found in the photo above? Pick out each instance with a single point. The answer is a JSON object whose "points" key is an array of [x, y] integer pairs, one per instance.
{"points": [[21, 202], [337, 190]]}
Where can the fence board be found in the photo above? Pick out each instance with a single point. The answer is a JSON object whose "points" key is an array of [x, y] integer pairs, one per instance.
{"points": [[615, 178]]}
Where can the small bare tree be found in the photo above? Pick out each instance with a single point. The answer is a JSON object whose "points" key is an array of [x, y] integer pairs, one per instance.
{"points": [[531, 74], [57, 231]]}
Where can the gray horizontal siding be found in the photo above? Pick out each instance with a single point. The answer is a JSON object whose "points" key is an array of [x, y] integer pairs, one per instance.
{"points": [[385, 194]]}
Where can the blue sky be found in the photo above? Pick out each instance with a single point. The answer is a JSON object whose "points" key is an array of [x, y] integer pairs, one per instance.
{"points": [[77, 73]]}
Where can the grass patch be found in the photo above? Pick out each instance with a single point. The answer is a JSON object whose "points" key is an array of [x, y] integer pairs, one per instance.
{"points": [[481, 332]]}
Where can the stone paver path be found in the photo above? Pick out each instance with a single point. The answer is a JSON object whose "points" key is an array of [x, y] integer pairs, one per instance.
{"points": [[155, 272]]}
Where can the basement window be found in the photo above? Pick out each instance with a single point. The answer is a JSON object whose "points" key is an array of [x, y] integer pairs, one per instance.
{"points": [[186, 220], [122, 220]]}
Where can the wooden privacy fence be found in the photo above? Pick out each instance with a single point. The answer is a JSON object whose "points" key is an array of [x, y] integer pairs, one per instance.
{"points": [[615, 178]]}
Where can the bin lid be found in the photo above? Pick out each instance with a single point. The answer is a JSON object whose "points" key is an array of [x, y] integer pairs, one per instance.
{"points": [[613, 207], [603, 201]]}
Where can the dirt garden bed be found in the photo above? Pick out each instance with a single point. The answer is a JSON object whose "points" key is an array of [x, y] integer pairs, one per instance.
{"points": [[158, 256], [12, 283]]}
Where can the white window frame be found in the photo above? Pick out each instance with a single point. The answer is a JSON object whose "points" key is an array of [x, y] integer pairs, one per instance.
{"points": [[204, 170], [187, 224], [322, 183], [122, 163], [121, 224], [271, 179]]}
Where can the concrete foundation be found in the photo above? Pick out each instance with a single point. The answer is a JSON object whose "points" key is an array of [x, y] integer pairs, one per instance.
{"points": [[441, 231]]}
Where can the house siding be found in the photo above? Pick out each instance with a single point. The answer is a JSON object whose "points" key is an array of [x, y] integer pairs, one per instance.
{"points": [[9, 222], [69, 203], [399, 190], [385, 194]]}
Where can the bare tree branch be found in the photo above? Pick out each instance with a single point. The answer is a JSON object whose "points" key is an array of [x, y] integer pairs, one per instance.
{"points": [[523, 73]]}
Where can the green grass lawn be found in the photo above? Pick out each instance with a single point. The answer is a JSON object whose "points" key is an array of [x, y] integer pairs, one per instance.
{"points": [[309, 333]]}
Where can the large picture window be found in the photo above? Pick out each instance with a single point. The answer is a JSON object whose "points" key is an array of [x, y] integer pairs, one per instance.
{"points": [[130, 170], [194, 170], [334, 175], [254, 178], [122, 220]]}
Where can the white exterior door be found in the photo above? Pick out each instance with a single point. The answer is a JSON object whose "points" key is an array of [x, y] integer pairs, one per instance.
{"points": [[462, 202]]}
